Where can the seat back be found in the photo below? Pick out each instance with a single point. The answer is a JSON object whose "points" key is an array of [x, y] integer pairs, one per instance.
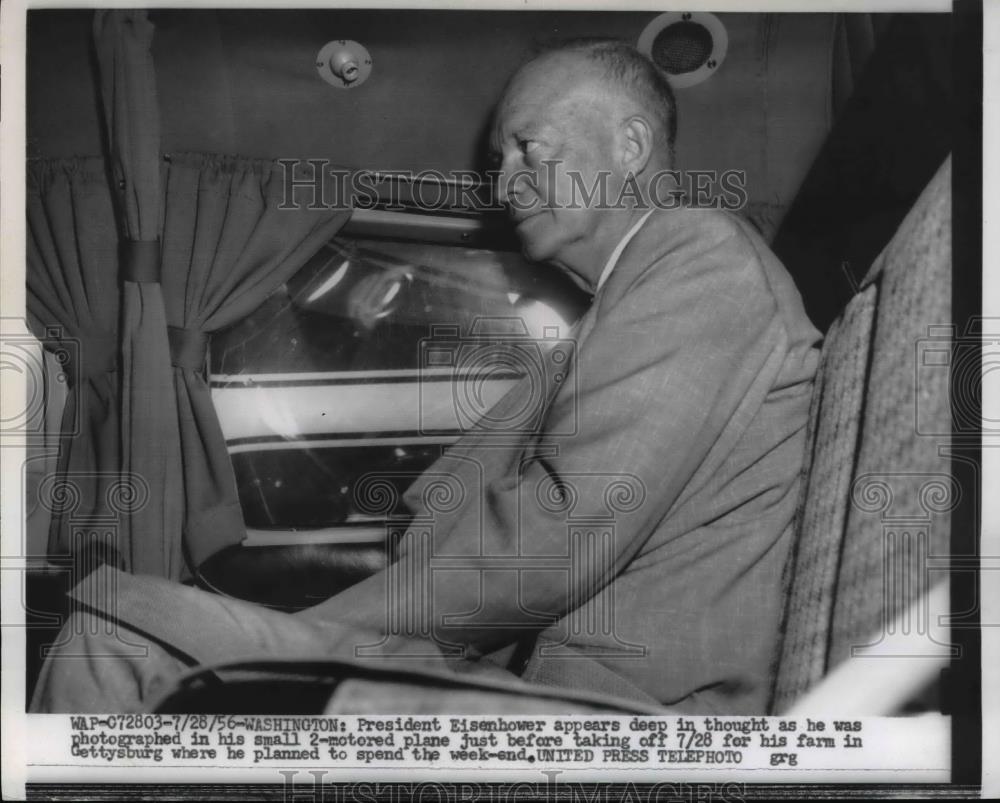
{"points": [[873, 527]]}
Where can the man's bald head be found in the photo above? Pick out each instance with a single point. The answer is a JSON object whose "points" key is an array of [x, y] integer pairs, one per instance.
{"points": [[577, 127], [618, 71]]}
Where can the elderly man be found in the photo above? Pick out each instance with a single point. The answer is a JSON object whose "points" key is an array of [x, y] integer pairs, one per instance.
{"points": [[633, 543]]}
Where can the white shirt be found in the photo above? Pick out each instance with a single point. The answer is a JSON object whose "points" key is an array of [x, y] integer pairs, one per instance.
{"points": [[616, 254]]}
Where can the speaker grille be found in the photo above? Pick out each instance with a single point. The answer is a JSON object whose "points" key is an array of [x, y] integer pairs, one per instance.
{"points": [[682, 47]]}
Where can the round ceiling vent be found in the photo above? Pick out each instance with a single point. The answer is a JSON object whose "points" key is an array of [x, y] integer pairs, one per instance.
{"points": [[344, 63], [688, 46]]}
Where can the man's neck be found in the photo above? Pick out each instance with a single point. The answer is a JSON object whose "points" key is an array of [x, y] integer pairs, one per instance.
{"points": [[587, 262]]}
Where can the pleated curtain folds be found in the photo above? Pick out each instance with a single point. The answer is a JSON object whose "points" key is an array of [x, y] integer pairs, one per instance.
{"points": [[135, 261], [73, 308], [150, 435], [227, 245]]}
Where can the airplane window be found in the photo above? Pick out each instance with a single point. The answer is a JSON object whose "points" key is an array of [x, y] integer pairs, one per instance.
{"points": [[333, 378]]}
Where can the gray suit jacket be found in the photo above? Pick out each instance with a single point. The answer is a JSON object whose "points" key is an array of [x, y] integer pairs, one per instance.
{"points": [[643, 525]]}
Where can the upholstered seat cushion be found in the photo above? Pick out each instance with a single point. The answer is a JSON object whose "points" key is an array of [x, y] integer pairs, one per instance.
{"points": [[873, 524]]}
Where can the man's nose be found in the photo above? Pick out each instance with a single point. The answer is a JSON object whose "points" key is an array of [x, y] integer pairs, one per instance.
{"points": [[518, 187]]}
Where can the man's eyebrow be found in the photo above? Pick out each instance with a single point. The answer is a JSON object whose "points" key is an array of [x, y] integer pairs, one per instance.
{"points": [[521, 131], [528, 130]]}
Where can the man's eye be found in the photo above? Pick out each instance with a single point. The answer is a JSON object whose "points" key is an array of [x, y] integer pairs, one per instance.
{"points": [[527, 145]]}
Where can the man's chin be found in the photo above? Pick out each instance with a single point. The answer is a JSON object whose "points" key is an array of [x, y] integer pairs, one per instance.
{"points": [[536, 250]]}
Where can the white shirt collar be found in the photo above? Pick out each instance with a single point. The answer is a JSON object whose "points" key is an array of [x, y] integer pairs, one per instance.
{"points": [[616, 254]]}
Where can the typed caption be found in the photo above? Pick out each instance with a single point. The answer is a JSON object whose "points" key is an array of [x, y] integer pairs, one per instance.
{"points": [[695, 746]]}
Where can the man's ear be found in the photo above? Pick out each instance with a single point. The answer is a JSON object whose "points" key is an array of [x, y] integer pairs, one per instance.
{"points": [[637, 144]]}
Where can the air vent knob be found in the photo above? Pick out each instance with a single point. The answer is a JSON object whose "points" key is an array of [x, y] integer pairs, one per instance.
{"points": [[344, 63]]}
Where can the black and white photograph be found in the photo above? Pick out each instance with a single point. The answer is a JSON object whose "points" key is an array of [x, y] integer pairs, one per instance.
{"points": [[528, 400]]}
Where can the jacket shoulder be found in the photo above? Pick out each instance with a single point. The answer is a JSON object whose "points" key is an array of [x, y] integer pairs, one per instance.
{"points": [[679, 243], [716, 251]]}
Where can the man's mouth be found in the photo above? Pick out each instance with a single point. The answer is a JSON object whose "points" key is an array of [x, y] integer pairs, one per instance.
{"points": [[521, 219]]}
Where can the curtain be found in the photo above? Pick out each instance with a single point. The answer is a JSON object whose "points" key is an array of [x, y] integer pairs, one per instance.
{"points": [[226, 246], [150, 440], [204, 243], [73, 307]]}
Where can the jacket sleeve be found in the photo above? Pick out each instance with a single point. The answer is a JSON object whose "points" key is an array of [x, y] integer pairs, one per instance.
{"points": [[674, 368]]}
